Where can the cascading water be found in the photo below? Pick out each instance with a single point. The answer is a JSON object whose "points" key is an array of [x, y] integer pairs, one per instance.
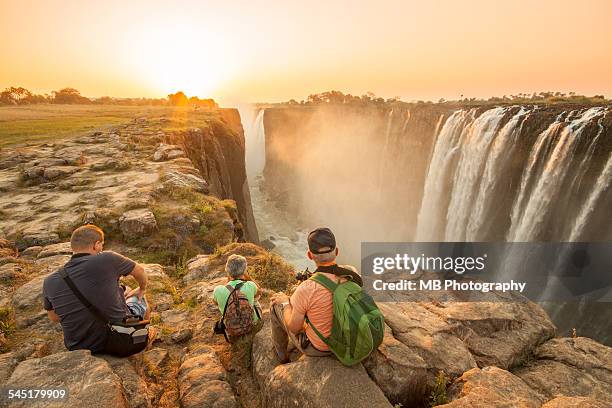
{"points": [[475, 144], [470, 170], [441, 169], [497, 162], [528, 219], [272, 224]]}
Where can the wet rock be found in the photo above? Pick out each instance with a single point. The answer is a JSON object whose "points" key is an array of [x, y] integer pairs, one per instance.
{"points": [[202, 381], [176, 181], [167, 152], [182, 335], [137, 223], [578, 367], [492, 387], [311, 381], [90, 381], [269, 245], [62, 248]]}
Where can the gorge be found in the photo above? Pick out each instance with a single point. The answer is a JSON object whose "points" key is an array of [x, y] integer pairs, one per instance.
{"points": [[436, 173]]}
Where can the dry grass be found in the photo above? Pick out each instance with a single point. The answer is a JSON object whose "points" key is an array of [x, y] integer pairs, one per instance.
{"points": [[40, 123]]}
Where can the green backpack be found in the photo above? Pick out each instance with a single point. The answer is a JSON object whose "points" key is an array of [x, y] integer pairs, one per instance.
{"points": [[358, 325]]}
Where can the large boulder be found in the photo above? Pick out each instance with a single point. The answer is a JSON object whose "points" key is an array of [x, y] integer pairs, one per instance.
{"points": [[137, 223], [573, 367], [89, 381], [37, 237], [311, 382], [27, 302], [492, 387], [453, 337], [202, 381], [62, 248]]}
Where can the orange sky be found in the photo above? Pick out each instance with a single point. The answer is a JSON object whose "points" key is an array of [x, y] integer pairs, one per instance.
{"points": [[250, 51]]}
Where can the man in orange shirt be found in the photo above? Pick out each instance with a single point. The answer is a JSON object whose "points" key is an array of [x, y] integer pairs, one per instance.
{"points": [[310, 300]]}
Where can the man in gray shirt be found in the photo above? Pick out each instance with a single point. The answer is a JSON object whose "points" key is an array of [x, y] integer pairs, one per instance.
{"points": [[96, 275]]}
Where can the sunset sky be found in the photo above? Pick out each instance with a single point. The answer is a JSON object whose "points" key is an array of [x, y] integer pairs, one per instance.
{"points": [[265, 51]]}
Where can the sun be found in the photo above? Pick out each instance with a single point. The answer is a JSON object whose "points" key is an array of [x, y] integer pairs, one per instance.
{"points": [[180, 59]]}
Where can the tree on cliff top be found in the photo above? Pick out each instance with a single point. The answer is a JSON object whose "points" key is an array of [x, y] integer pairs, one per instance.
{"points": [[69, 96], [178, 99]]}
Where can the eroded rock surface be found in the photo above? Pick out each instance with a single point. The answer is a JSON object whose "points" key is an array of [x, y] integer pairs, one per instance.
{"points": [[89, 381]]}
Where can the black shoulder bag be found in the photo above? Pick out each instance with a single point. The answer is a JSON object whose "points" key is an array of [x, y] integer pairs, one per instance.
{"points": [[123, 338]]}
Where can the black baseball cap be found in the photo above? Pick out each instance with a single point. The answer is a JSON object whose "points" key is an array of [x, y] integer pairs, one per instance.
{"points": [[321, 241]]}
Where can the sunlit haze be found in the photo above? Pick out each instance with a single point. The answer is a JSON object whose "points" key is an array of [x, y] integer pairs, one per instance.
{"points": [[244, 51]]}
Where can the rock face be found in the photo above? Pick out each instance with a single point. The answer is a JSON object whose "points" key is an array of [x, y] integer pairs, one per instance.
{"points": [[89, 380], [424, 338], [573, 367], [138, 222], [62, 248], [218, 153], [311, 382], [202, 381], [492, 387]]}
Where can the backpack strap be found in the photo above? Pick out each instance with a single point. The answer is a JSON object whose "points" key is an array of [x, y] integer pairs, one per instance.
{"points": [[233, 289], [94, 310], [329, 285], [337, 270], [324, 281]]}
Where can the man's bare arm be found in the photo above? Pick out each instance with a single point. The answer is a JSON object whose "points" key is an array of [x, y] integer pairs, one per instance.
{"points": [[141, 277], [293, 320], [53, 316]]}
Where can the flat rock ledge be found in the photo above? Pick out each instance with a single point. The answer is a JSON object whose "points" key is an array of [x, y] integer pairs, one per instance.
{"points": [[311, 382], [89, 381]]}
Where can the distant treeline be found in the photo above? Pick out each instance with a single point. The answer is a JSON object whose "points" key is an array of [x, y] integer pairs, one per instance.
{"points": [[337, 97], [22, 96]]}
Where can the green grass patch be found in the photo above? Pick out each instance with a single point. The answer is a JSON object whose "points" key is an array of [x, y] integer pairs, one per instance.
{"points": [[44, 123], [438, 394], [272, 272]]}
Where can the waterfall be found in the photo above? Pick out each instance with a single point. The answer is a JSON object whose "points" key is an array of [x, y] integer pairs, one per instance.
{"points": [[474, 149], [472, 186], [383, 156], [256, 145], [601, 186], [497, 163], [273, 224], [441, 168], [554, 149]]}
